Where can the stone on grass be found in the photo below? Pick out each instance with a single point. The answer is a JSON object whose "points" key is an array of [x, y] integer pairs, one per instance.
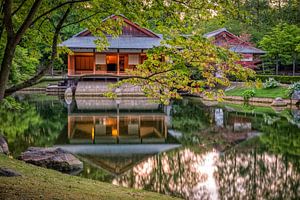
{"points": [[279, 102], [296, 95], [8, 172], [3, 145], [54, 158]]}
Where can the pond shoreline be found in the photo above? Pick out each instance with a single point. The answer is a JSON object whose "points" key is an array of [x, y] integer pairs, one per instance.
{"points": [[37, 182]]}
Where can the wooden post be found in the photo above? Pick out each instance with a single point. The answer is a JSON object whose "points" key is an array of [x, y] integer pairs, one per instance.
{"points": [[118, 63], [94, 64], [69, 63]]}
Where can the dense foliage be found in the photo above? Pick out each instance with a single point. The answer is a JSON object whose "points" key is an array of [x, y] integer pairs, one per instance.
{"points": [[282, 44], [281, 79]]}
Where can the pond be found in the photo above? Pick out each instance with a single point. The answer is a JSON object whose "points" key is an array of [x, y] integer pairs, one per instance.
{"points": [[191, 148]]}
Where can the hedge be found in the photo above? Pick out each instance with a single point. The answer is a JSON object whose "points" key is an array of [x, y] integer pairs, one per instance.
{"points": [[279, 78]]}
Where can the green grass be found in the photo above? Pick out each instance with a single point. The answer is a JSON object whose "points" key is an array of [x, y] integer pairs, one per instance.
{"points": [[44, 84], [250, 108], [41, 183], [264, 93]]}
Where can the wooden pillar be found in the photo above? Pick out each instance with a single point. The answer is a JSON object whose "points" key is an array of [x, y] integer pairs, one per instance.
{"points": [[94, 64], [69, 127], [69, 64], [118, 63]]}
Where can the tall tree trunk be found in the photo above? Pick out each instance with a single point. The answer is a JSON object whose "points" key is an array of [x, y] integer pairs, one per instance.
{"points": [[294, 66], [277, 66], [9, 48], [6, 65], [13, 40]]}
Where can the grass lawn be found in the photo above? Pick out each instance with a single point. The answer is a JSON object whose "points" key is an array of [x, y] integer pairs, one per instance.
{"points": [[250, 109], [44, 84], [40, 183], [266, 93]]}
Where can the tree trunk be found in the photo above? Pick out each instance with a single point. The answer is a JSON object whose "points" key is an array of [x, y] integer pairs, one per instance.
{"points": [[6, 65], [277, 66], [48, 66], [13, 40], [294, 66]]}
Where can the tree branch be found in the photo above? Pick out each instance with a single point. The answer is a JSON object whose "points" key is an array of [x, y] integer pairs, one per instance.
{"points": [[55, 8], [19, 7], [83, 19], [8, 18], [42, 71], [28, 20]]}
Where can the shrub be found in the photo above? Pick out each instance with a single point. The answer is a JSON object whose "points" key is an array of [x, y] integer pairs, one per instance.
{"points": [[271, 83], [281, 79], [292, 88], [247, 94]]}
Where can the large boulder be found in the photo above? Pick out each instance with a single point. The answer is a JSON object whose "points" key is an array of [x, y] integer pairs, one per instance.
{"points": [[3, 145], [296, 95], [279, 102], [54, 158]]}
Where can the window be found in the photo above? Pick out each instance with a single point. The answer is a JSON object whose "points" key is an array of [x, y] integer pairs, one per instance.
{"points": [[133, 59], [100, 59]]}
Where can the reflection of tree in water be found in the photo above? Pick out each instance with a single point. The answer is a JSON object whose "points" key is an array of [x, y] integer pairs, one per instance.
{"points": [[257, 175], [181, 173], [36, 124], [189, 116]]}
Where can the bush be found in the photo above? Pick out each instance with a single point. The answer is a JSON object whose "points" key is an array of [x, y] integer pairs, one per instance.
{"points": [[292, 88], [281, 79], [247, 94], [271, 83]]}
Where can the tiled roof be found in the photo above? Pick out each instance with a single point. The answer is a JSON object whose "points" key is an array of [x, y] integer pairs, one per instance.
{"points": [[122, 42], [216, 32], [246, 49]]}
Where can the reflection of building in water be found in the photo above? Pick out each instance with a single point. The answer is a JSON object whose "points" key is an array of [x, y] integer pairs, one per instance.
{"points": [[102, 120]]}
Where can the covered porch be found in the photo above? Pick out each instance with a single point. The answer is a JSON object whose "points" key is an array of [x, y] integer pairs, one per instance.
{"points": [[108, 63]]}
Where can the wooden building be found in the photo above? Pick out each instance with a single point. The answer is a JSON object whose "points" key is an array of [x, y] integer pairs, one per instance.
{"points": [[250, 54], [123, 52], [129, 49]]}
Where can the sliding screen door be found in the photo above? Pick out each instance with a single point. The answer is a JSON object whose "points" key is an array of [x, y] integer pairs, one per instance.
{"points": [[84, 63]]}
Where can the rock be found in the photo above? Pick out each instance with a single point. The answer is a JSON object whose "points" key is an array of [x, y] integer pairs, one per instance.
{"points": [[296, 95], [69, 92], [3, 145], [8, 172], [54, 158], [279, 102]]}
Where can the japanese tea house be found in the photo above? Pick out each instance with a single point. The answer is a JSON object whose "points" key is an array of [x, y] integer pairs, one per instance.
{"points": [[129, 49], [123, 52]]}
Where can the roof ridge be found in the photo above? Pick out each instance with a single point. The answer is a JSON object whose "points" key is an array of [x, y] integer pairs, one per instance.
{"points": [[216, 31]]}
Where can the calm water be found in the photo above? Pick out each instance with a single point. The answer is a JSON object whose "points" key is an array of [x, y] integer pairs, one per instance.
{"points": [[221, 151]]}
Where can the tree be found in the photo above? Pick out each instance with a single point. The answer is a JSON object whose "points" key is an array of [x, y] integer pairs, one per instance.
{"points": [[33, 24], [281, 45], [16, 23]]}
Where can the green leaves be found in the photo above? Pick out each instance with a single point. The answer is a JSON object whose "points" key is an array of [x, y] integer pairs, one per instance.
{"points": [[282, 43], [186, 65]]}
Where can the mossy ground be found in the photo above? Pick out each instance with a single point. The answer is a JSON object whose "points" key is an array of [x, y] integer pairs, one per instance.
{"points": [[40, 183]]}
